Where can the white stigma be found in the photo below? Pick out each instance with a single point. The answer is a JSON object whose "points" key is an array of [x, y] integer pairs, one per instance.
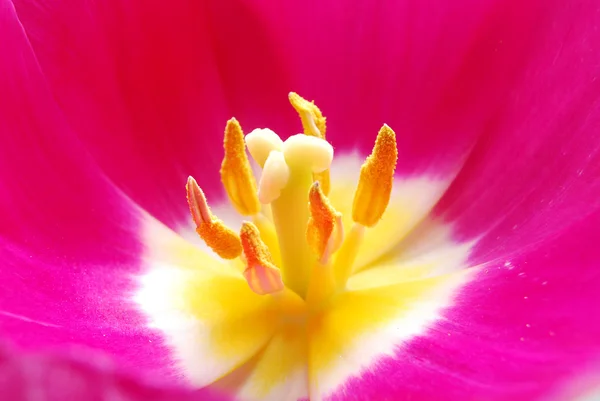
{"points": [[308, 150], [274, 177], [261, 142], [276, 157]]}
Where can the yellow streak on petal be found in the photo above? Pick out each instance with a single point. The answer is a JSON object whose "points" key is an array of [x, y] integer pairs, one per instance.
{"points": [[236, 173], [267, 339], [262, 275], [240, 322], [283, 359], [321, 222], [340, 330], [313, 124], [376, 178], [277, 372], [220, 238]]}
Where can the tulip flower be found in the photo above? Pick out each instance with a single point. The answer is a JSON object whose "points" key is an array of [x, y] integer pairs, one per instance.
{"points": [[257, 200]]}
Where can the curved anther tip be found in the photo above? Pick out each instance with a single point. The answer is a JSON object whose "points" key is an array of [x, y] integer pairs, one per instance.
{"points": [[197, 202], [313, 120]]}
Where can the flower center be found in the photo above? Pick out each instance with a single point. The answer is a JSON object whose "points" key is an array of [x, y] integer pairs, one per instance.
{"points": [[294, 246], [316, 287]]}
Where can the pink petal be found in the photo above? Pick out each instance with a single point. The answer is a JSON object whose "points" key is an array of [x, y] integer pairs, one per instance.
{"points": [[529, 192], [69, 243], [434, 71], [79, 377], [150, 87], [536, 169], [146, 91], [494, 73], [516, 333]]}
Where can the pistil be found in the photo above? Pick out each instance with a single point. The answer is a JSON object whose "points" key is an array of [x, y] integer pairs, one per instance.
{"points": [[304, 156]]}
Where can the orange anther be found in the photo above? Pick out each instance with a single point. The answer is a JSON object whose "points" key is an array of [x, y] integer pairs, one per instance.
{"points": [[220, 238], [376, 178], [321, 223], [262, 275], [236, 173], [313, 121]]}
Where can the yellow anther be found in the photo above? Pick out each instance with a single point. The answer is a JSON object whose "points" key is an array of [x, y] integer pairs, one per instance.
{"points": [[262, 275], [313, 124], [321, 223], [313, 121], [376, 178], [236, 174], [220, 238]]}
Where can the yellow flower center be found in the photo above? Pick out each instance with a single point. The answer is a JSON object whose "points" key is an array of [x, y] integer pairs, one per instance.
{"points": [[315, 285]]}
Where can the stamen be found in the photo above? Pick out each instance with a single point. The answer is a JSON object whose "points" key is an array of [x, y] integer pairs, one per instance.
{"points": [[236, 174], [261, 274], [376, 178], [217, 236], [261, 142], [313, 124], [274, 177], [321, 224], [293, 172], [313, 121]]}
